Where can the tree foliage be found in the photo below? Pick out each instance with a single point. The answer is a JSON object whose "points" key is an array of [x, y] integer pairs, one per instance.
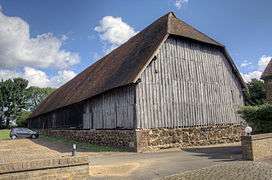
{"points": [[256, 92], [36, 95], [13, 99], [21, 119], [17, 101]]}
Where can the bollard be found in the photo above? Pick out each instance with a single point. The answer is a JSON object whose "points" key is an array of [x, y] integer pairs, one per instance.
{"points": [[74, 150]]}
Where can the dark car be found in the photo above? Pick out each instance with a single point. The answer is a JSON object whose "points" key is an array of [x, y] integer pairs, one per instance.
{"points": [[23, 132]]}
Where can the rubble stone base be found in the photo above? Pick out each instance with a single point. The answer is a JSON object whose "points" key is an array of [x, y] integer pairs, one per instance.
{"points": [[152, 139], [115, 138], [162, 138]]}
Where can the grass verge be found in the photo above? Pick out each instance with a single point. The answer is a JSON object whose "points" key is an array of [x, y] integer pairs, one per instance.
{"points": [[83, 146], [4, 134]]}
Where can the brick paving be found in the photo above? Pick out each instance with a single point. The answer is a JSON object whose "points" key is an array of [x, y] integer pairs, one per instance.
{"points": [[243, 170], [24, 150]]}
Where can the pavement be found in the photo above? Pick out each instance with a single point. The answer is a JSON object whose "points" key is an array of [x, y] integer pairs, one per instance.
{"points": [[246, 170], [209, 162], [160, 164]]}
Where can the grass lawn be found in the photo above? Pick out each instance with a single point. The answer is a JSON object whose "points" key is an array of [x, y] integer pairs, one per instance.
{"points": [[4, 134], [83, 146]]}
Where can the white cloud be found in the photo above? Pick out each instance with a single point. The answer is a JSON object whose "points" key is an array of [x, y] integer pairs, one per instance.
{"points": [[8, 74], [180, 3], [36, 77], [245, 64], [61, 78], [263, 62], [64, 37], [114, 31], [256, 74], [39, 78], [18, 49], [252, 75]]}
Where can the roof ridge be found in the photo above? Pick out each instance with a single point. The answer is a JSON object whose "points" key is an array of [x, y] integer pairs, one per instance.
{"points": [[169, 20], [176, 26], [200, 32]]}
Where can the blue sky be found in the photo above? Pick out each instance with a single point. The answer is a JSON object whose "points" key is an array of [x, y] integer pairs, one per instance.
{"points": [[50, 41]]}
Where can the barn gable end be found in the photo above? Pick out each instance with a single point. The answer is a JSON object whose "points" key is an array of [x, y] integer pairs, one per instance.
{"points": [[187, 84]]}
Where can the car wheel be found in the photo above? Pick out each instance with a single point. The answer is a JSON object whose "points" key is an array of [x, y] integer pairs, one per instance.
{"points": [[13, 137], [33, 136]]}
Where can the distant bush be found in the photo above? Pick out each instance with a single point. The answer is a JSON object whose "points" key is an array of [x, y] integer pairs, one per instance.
{"points": [[258, 117]]}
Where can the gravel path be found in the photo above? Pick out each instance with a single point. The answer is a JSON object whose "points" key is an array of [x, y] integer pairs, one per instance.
{"points": [[245, 170]]}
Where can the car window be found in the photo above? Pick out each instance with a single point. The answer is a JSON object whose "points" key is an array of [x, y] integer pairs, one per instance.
{"points": [[16, 130], [23, 130], [27, 130], [20, 130]]}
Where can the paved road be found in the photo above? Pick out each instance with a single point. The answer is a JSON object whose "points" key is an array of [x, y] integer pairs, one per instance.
{"points": [[158, 165], [229, 171]]}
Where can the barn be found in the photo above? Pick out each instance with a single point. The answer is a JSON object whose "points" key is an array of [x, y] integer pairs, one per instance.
{"points": [[267, 77], [169, 85]]}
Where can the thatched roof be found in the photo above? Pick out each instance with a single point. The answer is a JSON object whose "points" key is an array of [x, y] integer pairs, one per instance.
{"points": [[268, 71], [124, 64]]}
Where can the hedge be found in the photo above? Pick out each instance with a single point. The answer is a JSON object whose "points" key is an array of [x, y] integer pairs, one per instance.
{"points": [[258, 117]]}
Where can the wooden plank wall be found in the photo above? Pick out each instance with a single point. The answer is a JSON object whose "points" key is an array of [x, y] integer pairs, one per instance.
{"points": [[113, 109], [189, 84]]}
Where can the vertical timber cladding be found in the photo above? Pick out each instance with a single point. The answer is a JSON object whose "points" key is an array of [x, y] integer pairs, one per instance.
{"points": [[64, 118], [188, 84], [111, 110]]}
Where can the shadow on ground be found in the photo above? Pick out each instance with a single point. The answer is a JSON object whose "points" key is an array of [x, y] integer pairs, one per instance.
{"points": [[220, 154], [56, 146], [65, 146]]}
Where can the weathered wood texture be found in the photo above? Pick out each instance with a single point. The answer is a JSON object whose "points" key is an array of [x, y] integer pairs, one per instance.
{"points": [[114, 109], [189, 84]]}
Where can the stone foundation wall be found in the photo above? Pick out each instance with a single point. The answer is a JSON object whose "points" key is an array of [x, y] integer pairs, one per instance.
{"points": [[54, 168], [257, 146], [115, 138], [150, 139]]}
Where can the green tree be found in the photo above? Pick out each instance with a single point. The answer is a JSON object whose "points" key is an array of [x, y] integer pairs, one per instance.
{"points": [[256, 92], [17, 101], [13, 99], [21, 119], [36, 95]]}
